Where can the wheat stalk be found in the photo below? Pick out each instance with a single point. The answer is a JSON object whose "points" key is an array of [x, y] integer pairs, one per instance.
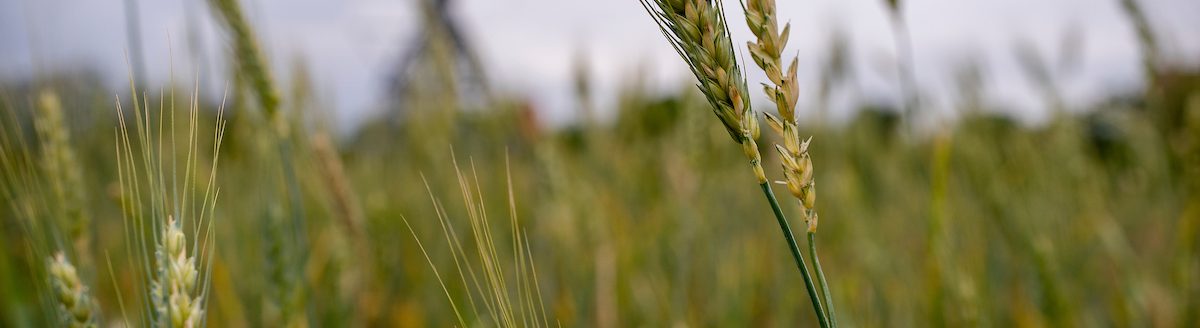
{"points": [[249, 58], [333, 173], [253, 66], [697, 31], [160, 197], [347, 210], [77, 305], [797, 165], [61, 167]]}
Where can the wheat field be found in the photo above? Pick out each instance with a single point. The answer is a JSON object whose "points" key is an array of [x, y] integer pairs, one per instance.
{"points": [[154, 205]]}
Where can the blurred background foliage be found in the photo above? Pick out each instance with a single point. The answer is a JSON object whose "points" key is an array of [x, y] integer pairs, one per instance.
{"points": [[650, 218]]}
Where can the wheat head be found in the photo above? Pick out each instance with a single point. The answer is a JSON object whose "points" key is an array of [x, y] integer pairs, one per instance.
{"points": [[250, 60], [767, 50], [697, 31], [62, 167], [175, 291], [77, 305]]}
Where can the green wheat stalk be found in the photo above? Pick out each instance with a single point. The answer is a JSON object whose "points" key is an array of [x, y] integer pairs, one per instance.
{"points": [[253, 67], [175, 261], [698, 32], [767, 51], [62, 170]]}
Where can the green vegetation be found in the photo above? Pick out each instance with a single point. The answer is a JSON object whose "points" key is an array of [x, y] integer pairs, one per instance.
{"points": [[159, 208]]}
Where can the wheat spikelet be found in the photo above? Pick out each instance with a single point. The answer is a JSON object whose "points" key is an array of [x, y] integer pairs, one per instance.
{"points": [[766, 52], [77, 305], [698, 32], [175, 291], [797, 164], [798, 176]]}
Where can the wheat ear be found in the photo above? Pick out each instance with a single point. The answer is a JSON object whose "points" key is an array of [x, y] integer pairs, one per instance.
{"points": [[77, 305], [698, 32], [175, 291], [767, 51], [249, 57], [62, 168]]}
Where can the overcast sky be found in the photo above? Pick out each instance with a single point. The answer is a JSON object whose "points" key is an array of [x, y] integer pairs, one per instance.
{"points": [[530, 46]]}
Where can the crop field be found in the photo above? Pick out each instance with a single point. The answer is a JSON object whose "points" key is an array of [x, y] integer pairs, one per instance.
{"points": [[704, 205]]}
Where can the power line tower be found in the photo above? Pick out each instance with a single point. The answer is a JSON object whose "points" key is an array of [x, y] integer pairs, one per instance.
{"points": [[438, 62]]}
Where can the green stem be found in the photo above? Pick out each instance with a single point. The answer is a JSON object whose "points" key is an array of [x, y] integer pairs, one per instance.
{"points": [[791, 239], [296, 261], [812, 251]]}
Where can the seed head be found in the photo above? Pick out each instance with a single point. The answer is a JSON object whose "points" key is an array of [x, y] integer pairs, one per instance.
{"points": [[698, 32], [177, 283], [766, 51], [798, 175], [62, 167], [77, 306]]}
